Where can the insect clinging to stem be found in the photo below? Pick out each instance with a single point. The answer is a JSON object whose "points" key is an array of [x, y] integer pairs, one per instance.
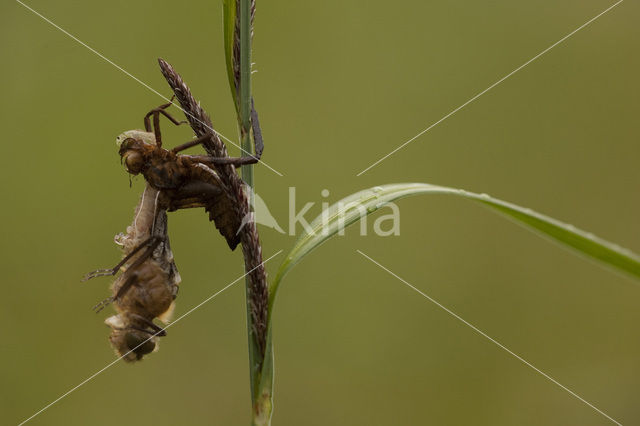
{"points": [[186, 181], [149, 283]]}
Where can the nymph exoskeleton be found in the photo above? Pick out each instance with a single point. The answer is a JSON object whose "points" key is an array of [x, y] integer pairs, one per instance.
{"points": [[185, 181], [148, 285]]}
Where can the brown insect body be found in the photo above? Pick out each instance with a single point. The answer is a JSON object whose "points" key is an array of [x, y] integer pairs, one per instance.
{"points": [[148, 285], [152, 297], [184, 181]]}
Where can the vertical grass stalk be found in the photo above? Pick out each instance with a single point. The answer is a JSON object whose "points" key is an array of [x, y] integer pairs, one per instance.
{"points": [[243, 92], [261, 398]]}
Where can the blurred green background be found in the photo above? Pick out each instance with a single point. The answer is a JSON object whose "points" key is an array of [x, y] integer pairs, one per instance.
{"points": [[339, 84]]}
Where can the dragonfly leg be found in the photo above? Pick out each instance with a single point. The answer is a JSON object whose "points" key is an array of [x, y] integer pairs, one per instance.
{"points": [[156, 120], [102, 304], [236, 161], [213, 161], [151, 241], [158, 331], [133, 274], [131, 279], [191, 143], [257, 131]]}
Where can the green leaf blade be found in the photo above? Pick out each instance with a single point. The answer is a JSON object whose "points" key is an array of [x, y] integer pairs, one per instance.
{"points": [[350, 209]]}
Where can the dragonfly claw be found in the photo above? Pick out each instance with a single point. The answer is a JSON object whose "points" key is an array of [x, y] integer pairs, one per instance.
{"points": [[103, 304], [98, 273]]}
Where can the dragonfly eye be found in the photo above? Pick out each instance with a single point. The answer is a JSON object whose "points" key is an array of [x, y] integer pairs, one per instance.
{"points": [[139, 344], [133, 161]]}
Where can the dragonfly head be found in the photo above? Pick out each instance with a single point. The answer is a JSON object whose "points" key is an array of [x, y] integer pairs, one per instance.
{"points": [[130, 343], [135, 147]]}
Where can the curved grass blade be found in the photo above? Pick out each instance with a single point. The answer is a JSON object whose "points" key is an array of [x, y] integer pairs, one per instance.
{"points": [[350, 209]]}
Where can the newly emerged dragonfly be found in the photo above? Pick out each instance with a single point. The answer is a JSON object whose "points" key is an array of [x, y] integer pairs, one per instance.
{"points": [[148, 285], [185, 181]]}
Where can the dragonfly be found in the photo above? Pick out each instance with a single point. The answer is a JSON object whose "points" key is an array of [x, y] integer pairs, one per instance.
{"points": [[148, 285], [185, 181]]}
